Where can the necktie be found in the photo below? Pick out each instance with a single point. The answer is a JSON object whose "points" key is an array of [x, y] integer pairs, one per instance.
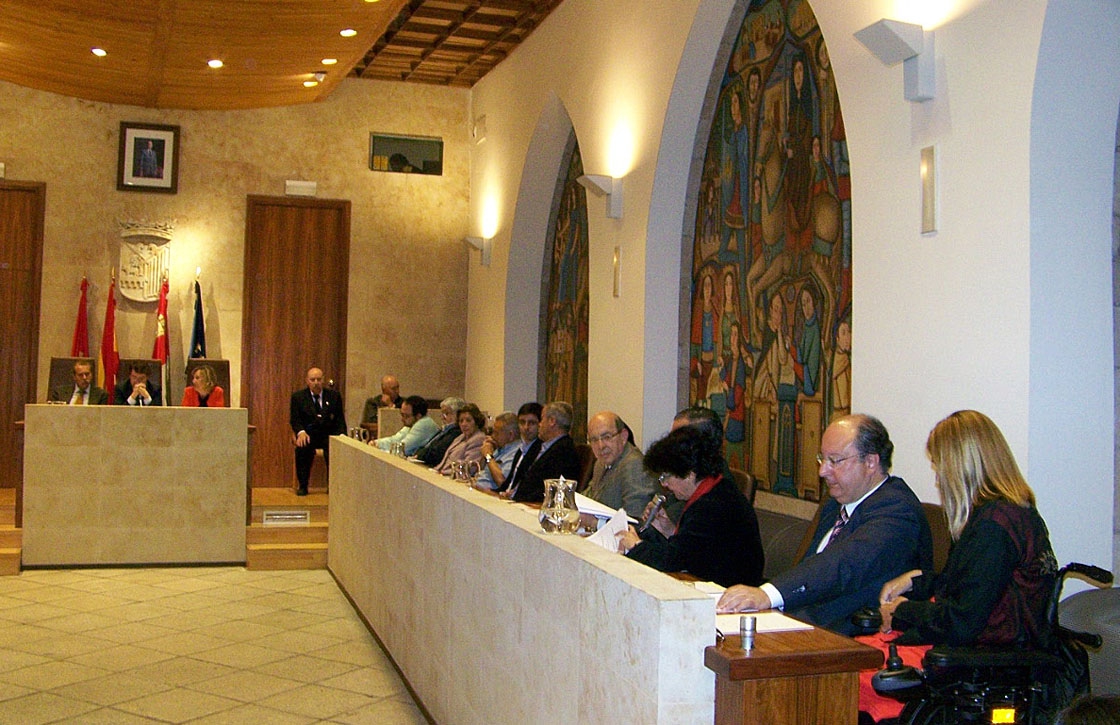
{"points": [[512, 470], [840, 521], [319, 403]]}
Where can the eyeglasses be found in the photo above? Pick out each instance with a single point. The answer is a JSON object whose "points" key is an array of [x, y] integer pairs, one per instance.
{"points": [[663, 478], [603, 438], [833, 461]]}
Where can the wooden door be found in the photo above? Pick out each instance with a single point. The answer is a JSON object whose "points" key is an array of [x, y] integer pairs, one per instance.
{"points": [[297, 258], [22, 209]]}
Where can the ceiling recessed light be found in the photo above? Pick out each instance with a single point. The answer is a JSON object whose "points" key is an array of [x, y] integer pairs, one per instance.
{"points": [[215, 63], [310, 84], [330, 61], [99, 52], [348, 32]]}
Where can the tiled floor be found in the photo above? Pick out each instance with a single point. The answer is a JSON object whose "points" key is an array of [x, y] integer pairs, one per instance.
{"points": [[197, 645]]}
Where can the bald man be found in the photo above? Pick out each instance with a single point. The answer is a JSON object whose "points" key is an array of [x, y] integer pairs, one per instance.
{"points": [[619, 479], [316, 413]]}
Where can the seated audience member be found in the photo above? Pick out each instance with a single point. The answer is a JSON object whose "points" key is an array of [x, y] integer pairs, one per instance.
{"points": [[390, 398], [431, 453], [204, 392], [1001, 570], [315, 413], [498, 452], [557, 456], [619, 479], [467, 447], [871, 530], [714, 540], [708, 422], [1000, 574], [528, 425], [417, 428], [83, 391], [137, 389]]}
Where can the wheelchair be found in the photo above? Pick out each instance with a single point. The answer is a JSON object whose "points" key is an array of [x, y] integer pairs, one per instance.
{"points": [[992, 685]]}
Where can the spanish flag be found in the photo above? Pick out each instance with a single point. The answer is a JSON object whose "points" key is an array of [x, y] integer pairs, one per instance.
{"points": [[161, 350]]}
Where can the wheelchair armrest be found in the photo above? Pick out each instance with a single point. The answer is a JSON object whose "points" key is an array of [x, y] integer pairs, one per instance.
{"points": [[866, 620], [943, 657]]}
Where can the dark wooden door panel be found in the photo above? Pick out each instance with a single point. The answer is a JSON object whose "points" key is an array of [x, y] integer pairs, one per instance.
{"points": [[296, 282]]}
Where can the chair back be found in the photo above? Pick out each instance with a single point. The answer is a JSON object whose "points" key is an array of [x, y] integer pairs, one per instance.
{"points": [[221, 374], [586, 465], [939, 528], [388, 421]]}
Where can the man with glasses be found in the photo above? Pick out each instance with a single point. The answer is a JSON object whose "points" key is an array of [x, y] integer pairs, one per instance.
{"points": [[871, 530], [619, 479]]}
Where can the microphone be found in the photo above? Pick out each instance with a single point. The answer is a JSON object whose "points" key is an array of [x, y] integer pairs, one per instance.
{"points": [[658, 502]]}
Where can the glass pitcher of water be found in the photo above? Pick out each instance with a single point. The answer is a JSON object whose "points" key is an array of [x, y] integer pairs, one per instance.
{"points": [[559, 514]]}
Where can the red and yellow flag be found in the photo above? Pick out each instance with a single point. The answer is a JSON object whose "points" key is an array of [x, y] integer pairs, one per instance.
{"points": [[161, 350]]}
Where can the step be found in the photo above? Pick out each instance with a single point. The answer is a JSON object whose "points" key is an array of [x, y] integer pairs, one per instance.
{"points": [[7, 516], [265, 557], [10, 561], [314, 533], [10, 537]]}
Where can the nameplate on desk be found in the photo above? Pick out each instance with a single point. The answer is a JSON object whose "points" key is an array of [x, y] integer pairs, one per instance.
{"points": [[286, 518]]}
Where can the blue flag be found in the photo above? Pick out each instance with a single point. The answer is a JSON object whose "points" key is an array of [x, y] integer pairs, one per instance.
{"points": [[198, 333]]}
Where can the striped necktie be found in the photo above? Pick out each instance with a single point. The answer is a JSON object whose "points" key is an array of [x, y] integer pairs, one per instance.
{"points": [[840, 521]]}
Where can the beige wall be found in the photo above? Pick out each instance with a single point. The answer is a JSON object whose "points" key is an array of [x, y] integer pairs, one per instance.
{"points": [[399, 222]]}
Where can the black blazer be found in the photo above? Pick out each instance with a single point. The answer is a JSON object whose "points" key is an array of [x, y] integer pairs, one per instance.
{"points": [[522, 464], [559, 460], [717, 540], [431, 453], [304, 416], [124, 389]]}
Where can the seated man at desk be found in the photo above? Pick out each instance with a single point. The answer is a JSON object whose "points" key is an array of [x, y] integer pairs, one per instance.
{"points": [[390, 398], [619, 479], [137, 389], [417, 428], [83, 391], [871, 530], [528, 425], [498, 452], [557, 456], [431, 453]]}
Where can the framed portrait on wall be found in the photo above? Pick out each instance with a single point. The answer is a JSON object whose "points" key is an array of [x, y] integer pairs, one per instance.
{"points": [[148, 158], [406, 154]]}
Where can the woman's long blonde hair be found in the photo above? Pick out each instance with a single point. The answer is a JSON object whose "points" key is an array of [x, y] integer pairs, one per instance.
{"points": [[973, 464]]}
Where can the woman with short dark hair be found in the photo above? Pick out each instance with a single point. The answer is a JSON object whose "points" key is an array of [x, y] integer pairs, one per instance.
{"points": [[717, 538]]}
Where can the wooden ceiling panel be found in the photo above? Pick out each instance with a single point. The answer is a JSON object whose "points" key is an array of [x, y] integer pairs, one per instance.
{"points": [[158, 49]]}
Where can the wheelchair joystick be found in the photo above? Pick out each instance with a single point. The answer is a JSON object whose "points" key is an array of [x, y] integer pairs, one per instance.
{"points": [[896, 679]]}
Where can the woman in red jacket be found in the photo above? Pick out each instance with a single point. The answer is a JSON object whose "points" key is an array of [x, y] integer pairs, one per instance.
{"points": [[203, 393]]}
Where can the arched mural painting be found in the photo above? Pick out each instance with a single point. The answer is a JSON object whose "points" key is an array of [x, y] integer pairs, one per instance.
{"points": [[566, 300], [770, 333]]}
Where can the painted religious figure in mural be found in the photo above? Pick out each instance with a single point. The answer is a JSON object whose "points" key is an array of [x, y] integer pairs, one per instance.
{"points": [[566, 269], [770, 333]]}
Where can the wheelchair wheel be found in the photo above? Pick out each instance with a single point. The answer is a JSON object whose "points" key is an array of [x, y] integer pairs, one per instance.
{"points": [[928, 712]]}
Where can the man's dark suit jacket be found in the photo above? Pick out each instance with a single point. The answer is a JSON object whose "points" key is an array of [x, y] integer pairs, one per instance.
{"points": [[304, 416], [888, 535], [432, 452], [63, 394], [521, 464], [559, 460], [124, 389]]}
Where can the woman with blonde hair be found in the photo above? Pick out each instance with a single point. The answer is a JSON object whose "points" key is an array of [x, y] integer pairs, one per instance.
{"points": [[204, 392], [1001, 571]]}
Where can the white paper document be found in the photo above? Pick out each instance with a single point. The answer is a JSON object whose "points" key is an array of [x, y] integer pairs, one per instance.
{"points": [[607, 535], [591, 506], [768, 621]]}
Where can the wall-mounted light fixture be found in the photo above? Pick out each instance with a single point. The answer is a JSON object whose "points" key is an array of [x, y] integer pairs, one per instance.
{"points": [[482, 245], [608, 185], [892, 41]]}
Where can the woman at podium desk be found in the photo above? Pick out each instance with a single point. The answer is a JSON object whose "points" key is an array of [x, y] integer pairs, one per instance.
{"points": [[717, 538], [203, 391]]}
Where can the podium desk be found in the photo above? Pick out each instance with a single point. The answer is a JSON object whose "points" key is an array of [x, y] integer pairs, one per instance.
{"points": [[106, 485], [807, 677], [491, 620]]}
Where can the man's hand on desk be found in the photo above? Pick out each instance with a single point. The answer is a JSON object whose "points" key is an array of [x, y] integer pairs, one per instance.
{"points": [[741, 598]]}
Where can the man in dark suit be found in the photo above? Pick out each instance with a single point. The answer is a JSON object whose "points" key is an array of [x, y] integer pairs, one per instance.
{"points": [[557, 456], [431, 453], [82, 392], [316, 415], [870, 531], [137, 389], [528, 424]]}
